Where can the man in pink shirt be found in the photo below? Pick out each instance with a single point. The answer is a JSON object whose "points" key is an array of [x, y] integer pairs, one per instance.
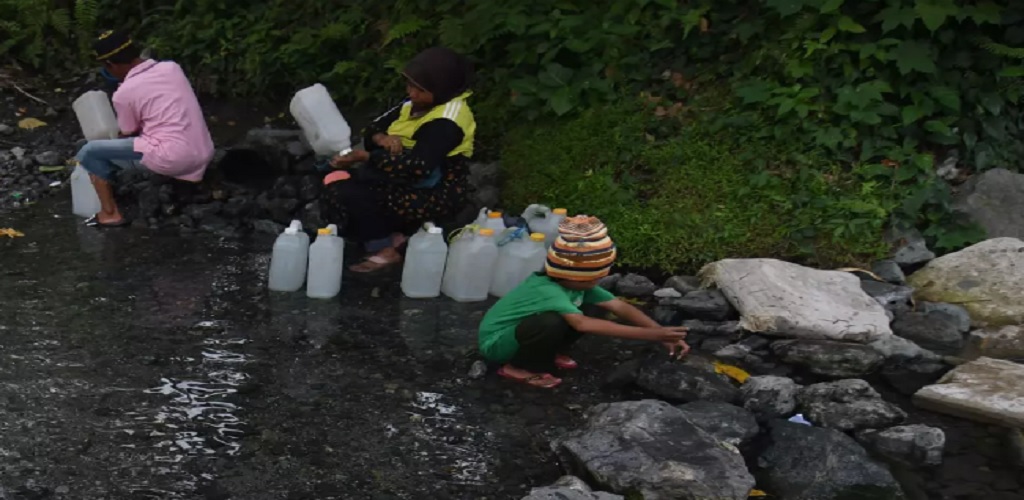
{"points": [[160, 119]]}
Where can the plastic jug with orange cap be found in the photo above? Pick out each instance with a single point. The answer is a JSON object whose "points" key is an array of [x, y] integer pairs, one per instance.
{"points": [[326, 260], [471, 260], [517, 261], [544, 220]]}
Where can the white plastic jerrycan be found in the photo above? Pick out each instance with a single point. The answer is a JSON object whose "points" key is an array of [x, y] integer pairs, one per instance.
{"points": [[324, 126], [289, 259], [516, 262], [424, 263], [542, 219], [96, 116], [84, 200], [470, 266], [494, 221], [326, 258]]}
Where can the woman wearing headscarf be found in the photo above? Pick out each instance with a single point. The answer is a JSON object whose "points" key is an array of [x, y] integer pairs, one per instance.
{"points": [[414, 169]]}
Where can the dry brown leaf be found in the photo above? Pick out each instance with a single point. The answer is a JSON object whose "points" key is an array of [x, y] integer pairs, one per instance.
{"points": [[31, 123], [705, 26]]}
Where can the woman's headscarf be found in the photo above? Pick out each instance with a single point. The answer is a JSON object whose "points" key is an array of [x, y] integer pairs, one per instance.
{"points": [[442, 72]]}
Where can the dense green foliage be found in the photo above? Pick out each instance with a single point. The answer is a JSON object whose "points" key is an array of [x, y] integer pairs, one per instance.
{"points": [[832, 112]]}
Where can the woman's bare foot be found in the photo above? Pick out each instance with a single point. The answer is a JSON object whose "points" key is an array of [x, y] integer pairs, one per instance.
{"points": [[541, 380], [381, 260], [398, 239]]}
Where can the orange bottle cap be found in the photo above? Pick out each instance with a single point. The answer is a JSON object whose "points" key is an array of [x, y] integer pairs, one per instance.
{"points": [[486, 232], [537, 237], [324, 231], [494, 215], [561, 211]]}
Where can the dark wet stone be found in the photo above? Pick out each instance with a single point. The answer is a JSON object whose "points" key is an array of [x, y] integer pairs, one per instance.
{"points": [[810, 463], [912, 445], [847, 405], [769, 397], [829, 358], [707, 305], [624, 374], [889, 271], [609, 282], [569, 488], [950, 312], [935, 332], [727, 423], [200, 212], [478, 370], [911, 250], [668, 293], [683, 284], [49, 158], [298, 148], [685, 381], [635, 285], [909, 376], [267, 227], [892, 297], [6, 129], [237, 207], [711, 344], [309, 188], [312, 216], [282, 210], [726, 329], [651, 449], [286, 187]]}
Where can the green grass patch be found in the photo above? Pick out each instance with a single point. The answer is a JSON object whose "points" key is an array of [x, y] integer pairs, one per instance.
{"points": [[677, 194]]}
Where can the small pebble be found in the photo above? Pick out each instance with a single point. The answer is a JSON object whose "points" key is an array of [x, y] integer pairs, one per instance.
{"points": [[478, 370]]}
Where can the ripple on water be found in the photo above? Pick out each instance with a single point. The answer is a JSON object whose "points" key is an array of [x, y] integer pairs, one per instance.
{"points": [[442, 440]]}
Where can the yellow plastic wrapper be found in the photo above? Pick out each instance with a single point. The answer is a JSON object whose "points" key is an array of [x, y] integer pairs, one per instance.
{"points": [[11, 233], [733, 372]]}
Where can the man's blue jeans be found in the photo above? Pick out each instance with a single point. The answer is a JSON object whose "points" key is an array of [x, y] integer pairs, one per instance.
{"points": [[104, 157]]}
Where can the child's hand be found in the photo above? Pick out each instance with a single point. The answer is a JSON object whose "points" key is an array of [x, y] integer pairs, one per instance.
{"points": [[677, 349], [672, 339]]}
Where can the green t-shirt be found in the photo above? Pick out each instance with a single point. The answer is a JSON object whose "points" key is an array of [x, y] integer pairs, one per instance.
{"points": [[538, 294]]}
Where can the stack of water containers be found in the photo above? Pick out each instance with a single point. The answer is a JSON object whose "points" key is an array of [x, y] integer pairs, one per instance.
{"points": [[96, 117], [323, 125], [294, 262], [467, 271]]}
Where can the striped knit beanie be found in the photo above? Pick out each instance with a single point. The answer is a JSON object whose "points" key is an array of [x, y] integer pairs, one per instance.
{"points": [[582, 252]]}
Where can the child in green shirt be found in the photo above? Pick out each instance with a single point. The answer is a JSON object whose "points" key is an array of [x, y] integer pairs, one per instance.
{"points": [[532, 327]]}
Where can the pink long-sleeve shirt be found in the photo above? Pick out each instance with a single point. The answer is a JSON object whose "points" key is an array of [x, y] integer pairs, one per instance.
{"points": [[156, 102]]}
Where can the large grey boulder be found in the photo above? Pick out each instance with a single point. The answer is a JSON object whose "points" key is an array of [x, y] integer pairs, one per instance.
{"points": [[1001, 343], [651, 450], [986, 390], [847, 405], [769, 397], [813, 463], [828, 358], [727, 423], [995, 201], [569, 488], [692, 379], [986, 279], [913, 445], [788, 300]]}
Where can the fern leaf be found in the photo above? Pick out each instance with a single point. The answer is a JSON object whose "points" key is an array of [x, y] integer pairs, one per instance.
{"points": [[1000, 49], [404, 29], [86, 15], [60, 21]]}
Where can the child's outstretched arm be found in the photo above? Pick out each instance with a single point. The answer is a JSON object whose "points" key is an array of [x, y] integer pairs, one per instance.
{"points": [[647, 328]]}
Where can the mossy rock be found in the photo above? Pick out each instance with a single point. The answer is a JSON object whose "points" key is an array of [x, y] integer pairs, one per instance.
{"points": [[987, 279]]}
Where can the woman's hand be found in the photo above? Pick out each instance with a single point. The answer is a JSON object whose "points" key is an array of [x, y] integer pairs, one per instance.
{"points": [[340, 161], [391, 143]]}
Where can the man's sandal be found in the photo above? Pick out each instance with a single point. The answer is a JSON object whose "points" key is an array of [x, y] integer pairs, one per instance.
{"points": [[94, 221]]}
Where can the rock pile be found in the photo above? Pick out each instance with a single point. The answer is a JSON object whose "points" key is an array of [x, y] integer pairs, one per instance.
{"points": [[259, 185], [811, 340]]}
